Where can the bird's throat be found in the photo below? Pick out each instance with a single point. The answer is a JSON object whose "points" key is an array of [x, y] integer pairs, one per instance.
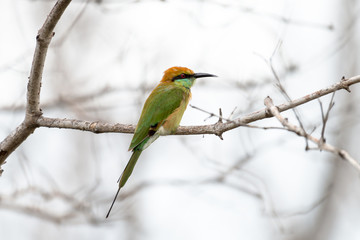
{"points": [[187, 82]]}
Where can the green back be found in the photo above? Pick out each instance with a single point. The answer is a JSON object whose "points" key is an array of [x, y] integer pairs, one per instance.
{"points": [[163, 100]]}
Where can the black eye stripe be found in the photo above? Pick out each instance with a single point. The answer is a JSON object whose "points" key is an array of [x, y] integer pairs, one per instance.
{"points": [[182, 76]]}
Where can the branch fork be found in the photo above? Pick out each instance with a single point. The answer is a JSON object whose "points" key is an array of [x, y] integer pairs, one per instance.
{"points": [[322, 145], [34, 118]]}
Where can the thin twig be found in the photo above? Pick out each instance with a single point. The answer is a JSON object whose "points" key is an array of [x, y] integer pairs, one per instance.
{"points": [[273, 110], [325, 117], [282, 89], [211, 114]]}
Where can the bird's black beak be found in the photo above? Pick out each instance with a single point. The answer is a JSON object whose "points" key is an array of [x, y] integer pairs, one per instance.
{"points": [[201, 75]]}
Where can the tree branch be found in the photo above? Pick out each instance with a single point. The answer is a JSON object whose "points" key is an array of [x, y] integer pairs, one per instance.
{"points": [[95, 127], [273, 110], [217, 128], [34, 119], [33, 111]]}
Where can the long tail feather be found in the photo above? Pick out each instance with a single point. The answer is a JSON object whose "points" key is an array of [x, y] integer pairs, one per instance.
{"points": [[125, 175]]}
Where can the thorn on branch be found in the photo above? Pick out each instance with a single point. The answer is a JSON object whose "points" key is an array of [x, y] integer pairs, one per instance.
{"points": [[220, 114], [346, 87], [219, 122], [268, 102], [343, 85], [341, 154]]}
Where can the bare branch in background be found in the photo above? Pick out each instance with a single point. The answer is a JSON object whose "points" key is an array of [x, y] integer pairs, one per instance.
{"points": [[310, 208], [273, 110], [33, 111], [73, 207]]}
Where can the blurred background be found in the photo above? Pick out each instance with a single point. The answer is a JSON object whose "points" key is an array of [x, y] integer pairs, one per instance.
{"points": [[104, 60]]}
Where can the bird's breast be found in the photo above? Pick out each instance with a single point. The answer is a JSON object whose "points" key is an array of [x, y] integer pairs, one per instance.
{"points": [[172, 122]]}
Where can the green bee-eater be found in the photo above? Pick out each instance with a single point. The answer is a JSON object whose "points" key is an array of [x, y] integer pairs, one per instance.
{"points": [[161, 114]]}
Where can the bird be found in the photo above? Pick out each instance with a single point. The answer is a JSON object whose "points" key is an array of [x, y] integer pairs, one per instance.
{"points": [[161, 114]]}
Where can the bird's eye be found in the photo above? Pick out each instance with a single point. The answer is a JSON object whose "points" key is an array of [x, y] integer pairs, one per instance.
{"points": [[182, 75]]}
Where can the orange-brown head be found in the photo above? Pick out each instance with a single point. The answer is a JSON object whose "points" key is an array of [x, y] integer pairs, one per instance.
{"points": [[173, 72], [182, 76]]}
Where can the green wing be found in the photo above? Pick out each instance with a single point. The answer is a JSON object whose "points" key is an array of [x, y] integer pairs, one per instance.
{"points": [[163, 100]]}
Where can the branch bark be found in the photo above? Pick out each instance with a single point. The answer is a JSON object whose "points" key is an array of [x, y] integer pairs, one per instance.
{"points": [[33, 111], [322, 145], [218, 128], [34, 119]]}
